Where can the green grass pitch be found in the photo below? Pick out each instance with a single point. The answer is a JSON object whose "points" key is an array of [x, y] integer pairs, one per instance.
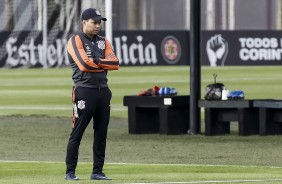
{"points": [[48, 91], [35, 121]]}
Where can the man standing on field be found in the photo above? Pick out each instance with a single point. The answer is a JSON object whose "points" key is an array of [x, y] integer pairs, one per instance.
{"points": [[91, 57]]}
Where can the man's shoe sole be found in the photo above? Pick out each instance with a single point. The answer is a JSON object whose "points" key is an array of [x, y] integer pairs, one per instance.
{"points": [[99, 178], [71, 178]]}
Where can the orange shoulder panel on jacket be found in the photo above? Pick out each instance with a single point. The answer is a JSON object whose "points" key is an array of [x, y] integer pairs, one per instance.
{"points": [[78, 54]]}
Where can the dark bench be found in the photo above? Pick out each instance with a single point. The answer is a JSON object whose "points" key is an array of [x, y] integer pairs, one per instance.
{"points": [[219, 114], [270, 116], [157, 114]]}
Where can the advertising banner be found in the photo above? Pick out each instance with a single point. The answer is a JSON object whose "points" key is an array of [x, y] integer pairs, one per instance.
{"points": [[136, 48], [24, 50], [133, 48], [221, 48]]}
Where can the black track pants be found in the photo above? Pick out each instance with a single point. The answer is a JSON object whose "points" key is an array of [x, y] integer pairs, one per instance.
{"points": [[89, 103]]}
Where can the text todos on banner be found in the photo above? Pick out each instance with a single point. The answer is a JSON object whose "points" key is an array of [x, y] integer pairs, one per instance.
{"points": [[260, 49], [241, 47]]}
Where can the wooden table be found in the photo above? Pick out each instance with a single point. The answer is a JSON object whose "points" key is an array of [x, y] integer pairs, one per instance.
{"points": [[219, 114], [270, 116], [157, 114]]}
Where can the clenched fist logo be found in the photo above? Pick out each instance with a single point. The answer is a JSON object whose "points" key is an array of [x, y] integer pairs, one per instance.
{"points": [[217, 50]]}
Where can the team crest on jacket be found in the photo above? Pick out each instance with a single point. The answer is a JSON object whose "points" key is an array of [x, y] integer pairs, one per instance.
{"points": [[81, 104], [101, 44]]}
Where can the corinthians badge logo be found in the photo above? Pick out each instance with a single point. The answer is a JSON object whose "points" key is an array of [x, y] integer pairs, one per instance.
{"points": [[81, 104], [101, 44], [171, 49]]}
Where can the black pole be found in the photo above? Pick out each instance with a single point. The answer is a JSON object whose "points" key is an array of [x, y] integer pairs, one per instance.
{"points": [[195, 66]]}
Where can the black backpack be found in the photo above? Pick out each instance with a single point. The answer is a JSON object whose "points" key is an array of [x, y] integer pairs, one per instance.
{"points": [[214, 91]]}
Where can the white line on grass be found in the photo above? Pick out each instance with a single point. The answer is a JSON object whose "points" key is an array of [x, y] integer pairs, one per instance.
{"points": [[212, 181], [145, 81], [33, 108], [123, 163], [44, 108], [195, 165], [191, 165]]}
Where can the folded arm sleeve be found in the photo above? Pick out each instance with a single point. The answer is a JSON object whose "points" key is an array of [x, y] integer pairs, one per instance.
{"points": [[110, 62], [79, 56]]}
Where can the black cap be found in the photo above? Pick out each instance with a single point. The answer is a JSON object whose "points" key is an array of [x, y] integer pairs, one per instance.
{"points": [[92, 13]]}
